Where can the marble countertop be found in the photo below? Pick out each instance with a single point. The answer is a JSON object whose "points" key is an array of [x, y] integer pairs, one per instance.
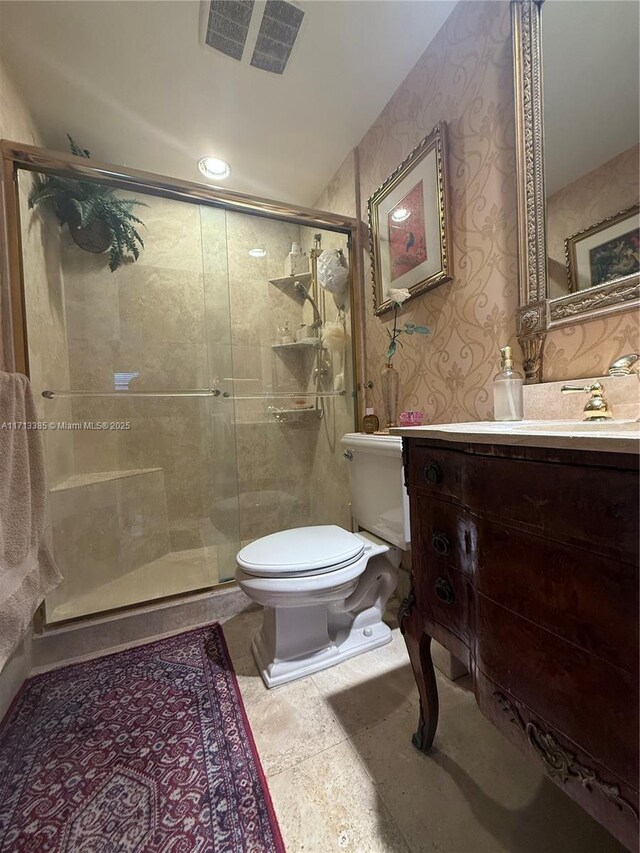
{"points": [[621, 436]]}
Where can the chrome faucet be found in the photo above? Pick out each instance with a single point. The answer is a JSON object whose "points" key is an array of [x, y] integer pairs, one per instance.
{"points": [[596, 408], [623, 365]]}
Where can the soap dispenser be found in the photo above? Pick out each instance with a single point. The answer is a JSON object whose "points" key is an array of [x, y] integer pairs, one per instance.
{"points": [[507, 390]]}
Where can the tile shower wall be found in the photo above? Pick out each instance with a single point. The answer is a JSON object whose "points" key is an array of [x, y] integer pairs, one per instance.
{"points": [[275, 458], [162, 507], [330, 494], [135, 516]]}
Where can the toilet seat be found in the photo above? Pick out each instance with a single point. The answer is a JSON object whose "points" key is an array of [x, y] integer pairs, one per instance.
{"points": [[301, 552]]}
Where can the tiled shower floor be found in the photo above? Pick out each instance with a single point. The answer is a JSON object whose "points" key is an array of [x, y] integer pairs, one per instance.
{"points": [[172, 574]]}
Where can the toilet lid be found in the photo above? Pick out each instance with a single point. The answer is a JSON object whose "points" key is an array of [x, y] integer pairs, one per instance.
{"points": [[301, 551]]}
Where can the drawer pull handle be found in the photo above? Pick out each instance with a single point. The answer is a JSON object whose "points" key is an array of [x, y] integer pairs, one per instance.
{"points": [[441, 544], [444, 591], [433, 473]]}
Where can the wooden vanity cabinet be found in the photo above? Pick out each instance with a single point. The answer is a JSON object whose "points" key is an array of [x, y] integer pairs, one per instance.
{"points": [[525, 567]]}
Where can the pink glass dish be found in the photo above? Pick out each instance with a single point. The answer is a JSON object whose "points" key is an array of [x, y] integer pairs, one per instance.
{"points": [[411, 418]]}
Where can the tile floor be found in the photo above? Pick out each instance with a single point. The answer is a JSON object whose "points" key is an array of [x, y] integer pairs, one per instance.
{"points": [[336, 749]]}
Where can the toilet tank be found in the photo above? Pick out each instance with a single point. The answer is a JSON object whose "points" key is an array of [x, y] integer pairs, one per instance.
{"points": [[379, 500]]}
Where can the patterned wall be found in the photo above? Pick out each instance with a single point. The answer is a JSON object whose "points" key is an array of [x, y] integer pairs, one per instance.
{"points": [[465, 78], [603, 192]]}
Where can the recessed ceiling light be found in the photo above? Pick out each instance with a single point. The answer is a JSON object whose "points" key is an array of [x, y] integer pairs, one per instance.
{"points": [[213, 167], [401, 214], [258, 253]]}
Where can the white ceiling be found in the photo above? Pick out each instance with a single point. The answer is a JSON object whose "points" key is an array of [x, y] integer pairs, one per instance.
{"points": [[133, 82], [590, 53]]}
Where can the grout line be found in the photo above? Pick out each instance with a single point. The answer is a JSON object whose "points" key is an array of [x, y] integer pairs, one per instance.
{"points": [[305, 759]]}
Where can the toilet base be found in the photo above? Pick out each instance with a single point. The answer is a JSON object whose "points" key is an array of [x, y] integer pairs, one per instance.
{"points": [[347, 644]]}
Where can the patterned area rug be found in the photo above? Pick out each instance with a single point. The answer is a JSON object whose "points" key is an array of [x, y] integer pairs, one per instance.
{"points": [[147, 750]]}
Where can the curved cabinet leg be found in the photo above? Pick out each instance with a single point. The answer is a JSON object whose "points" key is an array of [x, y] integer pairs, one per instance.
{"points": [[419, 648]]}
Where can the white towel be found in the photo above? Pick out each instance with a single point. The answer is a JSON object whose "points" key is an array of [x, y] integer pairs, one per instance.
{"points": [[27, 571]]}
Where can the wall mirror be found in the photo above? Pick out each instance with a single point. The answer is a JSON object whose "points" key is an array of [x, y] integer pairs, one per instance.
{"points": [[577, 117]]}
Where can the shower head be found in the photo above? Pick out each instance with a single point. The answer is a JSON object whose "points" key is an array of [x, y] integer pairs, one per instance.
{"points": [[302, 291]]}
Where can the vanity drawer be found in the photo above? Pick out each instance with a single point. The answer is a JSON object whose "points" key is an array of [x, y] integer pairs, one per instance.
{"points": [[585, 598], [438, 471], [443, 596], [590, 507], [591, 702], [442, 531]]}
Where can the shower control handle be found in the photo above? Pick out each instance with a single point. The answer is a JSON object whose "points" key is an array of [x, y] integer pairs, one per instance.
{"points": [[348, 455]]}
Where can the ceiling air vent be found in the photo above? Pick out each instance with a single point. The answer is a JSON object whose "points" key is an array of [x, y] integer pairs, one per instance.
{"points": [[278, 32], [228, 25]]}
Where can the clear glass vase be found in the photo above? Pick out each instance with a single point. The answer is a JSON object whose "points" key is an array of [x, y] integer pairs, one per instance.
{"points": [[390, 383]]}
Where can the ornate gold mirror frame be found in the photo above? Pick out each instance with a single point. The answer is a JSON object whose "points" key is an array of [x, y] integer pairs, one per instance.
{"points": [[537, 313]]}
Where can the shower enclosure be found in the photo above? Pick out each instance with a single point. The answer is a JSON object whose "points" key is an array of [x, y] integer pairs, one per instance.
{"points": [[190, 401]]}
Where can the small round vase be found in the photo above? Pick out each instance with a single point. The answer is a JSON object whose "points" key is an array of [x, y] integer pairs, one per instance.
{"points": [[390, 383]]}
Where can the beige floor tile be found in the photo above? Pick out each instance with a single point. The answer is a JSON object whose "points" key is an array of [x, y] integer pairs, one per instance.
{"points": [[368, 688], [289, 723], [240, 629], [474, 793], [328, 802]]}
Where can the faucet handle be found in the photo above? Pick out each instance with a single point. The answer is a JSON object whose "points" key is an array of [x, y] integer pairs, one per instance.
{"points": [[572, 389], [623, 365], [597, 408]]}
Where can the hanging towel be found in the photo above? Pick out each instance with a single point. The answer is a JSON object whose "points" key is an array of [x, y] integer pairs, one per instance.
{"points": [[27, 571]]}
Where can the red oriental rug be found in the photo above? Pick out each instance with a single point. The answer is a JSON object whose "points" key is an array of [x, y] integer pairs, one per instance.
{"points": [[146, 750]]}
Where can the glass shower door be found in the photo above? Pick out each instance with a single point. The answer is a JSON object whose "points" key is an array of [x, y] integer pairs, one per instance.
{"points": [[140, 452]]}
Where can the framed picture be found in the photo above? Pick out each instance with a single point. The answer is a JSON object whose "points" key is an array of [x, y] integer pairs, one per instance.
{"points": [[408, 224], [606, 252]]}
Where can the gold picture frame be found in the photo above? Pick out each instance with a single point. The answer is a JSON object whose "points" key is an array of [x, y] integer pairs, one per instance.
{"points": [[408, 224], [605, 252]]}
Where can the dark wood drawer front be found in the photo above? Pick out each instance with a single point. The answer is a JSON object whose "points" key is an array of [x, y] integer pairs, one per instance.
{"points": [[606, 797], [443, 595], [591, 702], [586, 506], [438, 472], [593, 509], [443, 531], [585, 598]]}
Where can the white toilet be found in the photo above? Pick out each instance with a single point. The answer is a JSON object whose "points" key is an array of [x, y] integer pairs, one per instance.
{"points": [[324, 590]]}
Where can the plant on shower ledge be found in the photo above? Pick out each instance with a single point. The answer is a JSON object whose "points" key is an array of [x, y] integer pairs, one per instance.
{"points": [[97, 219], [389, 379]]}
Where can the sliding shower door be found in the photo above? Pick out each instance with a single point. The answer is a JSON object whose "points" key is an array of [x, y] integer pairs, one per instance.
{"points": [[140, 454], [193, 399]]}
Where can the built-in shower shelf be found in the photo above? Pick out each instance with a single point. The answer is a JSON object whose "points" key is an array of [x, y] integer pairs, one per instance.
{"points": [[91, 478], [292, 415], [308, 343], [286, 283]]}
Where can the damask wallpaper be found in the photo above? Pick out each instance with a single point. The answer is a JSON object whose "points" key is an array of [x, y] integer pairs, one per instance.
{"points": [[464, 77], [603, 192]]}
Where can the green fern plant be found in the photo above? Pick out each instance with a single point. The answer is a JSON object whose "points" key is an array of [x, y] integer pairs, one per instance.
{"points": [[83, 205]]}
